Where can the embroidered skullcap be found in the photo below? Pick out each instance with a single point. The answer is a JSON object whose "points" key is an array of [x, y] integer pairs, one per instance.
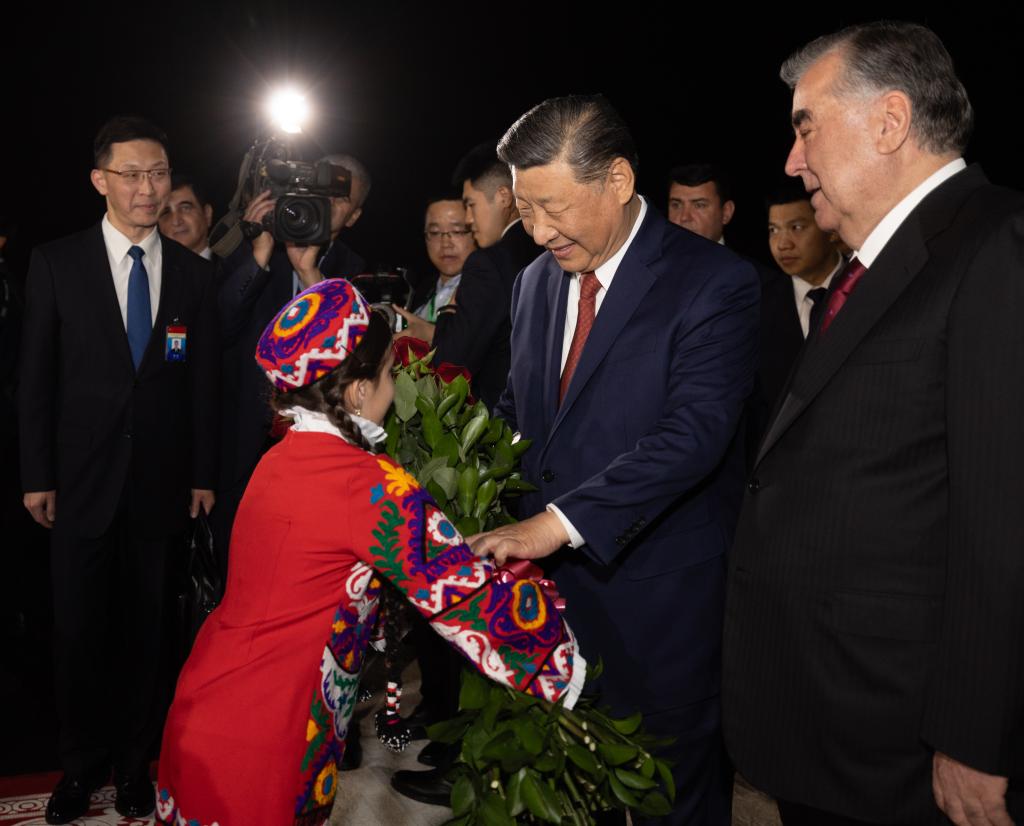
{"points": [[314, 333]]}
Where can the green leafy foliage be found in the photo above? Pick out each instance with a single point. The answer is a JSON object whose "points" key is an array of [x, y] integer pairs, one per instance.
{"points": [[522, 759]]}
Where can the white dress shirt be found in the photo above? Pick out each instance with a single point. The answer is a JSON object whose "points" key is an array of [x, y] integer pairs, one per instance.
{"points": [[880, 235], [118, 244], [605, 273], [801, 290]]}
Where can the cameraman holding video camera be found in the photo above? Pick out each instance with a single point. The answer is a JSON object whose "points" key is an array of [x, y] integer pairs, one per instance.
{"points": [[259, 277]]}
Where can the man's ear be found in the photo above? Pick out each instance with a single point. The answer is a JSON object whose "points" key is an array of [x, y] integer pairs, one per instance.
{"points": [[622, 179], [728, 210], [893, 114], [354, 217], [99, 180]]}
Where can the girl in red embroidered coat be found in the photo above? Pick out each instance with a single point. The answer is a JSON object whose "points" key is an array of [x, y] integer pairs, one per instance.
{"points": [[262, 707]]}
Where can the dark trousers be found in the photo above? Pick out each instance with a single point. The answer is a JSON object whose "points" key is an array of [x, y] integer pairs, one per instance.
{"points": [[796, 814], [110, 664]]}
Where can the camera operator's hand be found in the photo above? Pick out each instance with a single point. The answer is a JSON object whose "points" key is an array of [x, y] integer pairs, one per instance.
{"points": [[303, 260], [416, 327], [258, 207]]}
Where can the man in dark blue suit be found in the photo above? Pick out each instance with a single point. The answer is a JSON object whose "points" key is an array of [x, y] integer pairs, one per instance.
{"points": [[633, 351]]}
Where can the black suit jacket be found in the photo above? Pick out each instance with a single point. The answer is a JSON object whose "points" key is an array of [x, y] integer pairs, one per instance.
{"points": [[90, 425], [874, 611], [475, 332], [249, 299]]}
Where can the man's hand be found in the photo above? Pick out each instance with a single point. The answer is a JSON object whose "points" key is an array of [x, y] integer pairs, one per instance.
{"points": [[201, 498], [417, 327], [533, 538], [967, 796], [263, 245], [303, 260], [42, 504]]}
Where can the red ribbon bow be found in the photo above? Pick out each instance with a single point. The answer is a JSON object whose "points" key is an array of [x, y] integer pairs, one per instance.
{"points": [[524, 569]]}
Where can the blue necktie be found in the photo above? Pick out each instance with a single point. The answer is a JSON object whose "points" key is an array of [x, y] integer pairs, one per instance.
{"points": [[140, 317]]}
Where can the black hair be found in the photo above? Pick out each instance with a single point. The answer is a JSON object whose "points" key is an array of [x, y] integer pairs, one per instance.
{"points": [[327, 395], [121, 129], [696, 174], [583, 130], [179, 180], [482, 167], [786, 191]]}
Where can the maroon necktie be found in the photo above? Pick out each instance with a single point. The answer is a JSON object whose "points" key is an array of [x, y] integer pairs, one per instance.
{"points": [[589, 286], [847, 281]]}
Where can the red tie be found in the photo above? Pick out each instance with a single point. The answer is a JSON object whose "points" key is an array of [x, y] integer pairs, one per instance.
{"points": [[847, 281], [589, 286]]}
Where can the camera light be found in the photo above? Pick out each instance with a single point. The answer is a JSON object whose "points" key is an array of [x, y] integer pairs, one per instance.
{"points": [[289, 110]]}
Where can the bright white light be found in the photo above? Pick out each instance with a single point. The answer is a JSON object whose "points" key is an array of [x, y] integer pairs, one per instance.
{"points": [[289, 110]]}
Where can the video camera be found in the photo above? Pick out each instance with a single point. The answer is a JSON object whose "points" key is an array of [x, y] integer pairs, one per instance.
{"points": [[302, 212]]}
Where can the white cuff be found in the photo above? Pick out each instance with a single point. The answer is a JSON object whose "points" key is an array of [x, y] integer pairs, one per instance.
{"points": [[576, 681], [575, 539]]}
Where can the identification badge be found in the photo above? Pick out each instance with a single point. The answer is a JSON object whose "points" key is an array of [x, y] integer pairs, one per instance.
{"points": [[174, 347]]}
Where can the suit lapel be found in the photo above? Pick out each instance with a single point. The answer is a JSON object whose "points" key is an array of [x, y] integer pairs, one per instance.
{"points": [[632, 281], [888, 277], [98, 268], [557, 295]]}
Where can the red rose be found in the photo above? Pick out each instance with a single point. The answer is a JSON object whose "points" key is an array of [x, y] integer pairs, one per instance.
{"points": [[448, 372], [409, 349]]}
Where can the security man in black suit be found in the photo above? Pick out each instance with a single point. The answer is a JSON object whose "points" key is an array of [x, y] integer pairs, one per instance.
{"points": [[475, 330], [259, 278], [118, 446]]}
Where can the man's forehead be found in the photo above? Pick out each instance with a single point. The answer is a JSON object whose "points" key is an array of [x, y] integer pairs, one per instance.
{"points": [[704, 191], [183, 195], [136, 151]]}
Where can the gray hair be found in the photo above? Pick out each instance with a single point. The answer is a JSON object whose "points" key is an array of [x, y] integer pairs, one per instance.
{"points": [[583, 130], [358, 170], [907, 57]]}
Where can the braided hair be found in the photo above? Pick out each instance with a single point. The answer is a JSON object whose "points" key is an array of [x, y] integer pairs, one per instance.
{"points": [[327, 395]]}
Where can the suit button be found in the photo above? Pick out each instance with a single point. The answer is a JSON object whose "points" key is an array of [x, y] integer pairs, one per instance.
{"points": [[754, 485], [547, 476]]}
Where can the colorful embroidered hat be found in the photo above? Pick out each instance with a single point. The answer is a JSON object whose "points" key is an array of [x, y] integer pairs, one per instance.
{"points": [[313, 334]]}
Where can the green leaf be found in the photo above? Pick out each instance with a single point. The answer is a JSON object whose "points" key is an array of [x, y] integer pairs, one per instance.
{"points": [[669, 782], [394, 430], [472, 431], [448, 479], [433, 430], [423, 404], [584, 758], [405, 396], [615, 754], [437, 492], [448, 447], [493, 432], [519, 485], [521, 446], [624, 795], [540, 800], [460, 387], [428, 389], [628, 725], [463, 796], [468, 526], [469, 479], [514, 794], [633, 780], [654, 804], [530, 735], [492, 811], [546, 763], [449, 731], [426, 473], [503, 454], [647, 767], [484, 496], [495, 700], [472, 692], [497, 746]]}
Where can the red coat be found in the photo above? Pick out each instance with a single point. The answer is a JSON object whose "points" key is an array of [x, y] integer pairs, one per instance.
{"points": [[259, 719]]}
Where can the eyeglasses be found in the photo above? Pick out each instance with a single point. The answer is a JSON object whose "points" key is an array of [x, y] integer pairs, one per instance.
{"points": [[135, 176], [452, 234]]}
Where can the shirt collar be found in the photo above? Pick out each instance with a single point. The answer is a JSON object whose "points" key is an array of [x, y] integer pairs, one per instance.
{"points": [[880, 235], [118, 243], [312, 421], [606, 272], [801, 287], [504, 232]]}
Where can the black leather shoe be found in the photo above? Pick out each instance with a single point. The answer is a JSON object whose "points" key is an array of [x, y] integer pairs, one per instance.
{"points": [[439, 755], [70, 798], [136, 796], [353, 756], [426, 787]]}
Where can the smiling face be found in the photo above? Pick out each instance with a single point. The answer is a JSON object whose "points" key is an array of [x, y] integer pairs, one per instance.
{"points": [[798, 245], [581, 224], [833, 152], [449, 239], [134, 208], [186, 220]]}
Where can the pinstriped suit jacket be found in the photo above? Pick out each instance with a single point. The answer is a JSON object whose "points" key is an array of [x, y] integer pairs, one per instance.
{"points": [[875, 608]]}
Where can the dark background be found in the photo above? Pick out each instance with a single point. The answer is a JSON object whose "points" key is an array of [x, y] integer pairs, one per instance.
{"points": [[408, 88]]}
